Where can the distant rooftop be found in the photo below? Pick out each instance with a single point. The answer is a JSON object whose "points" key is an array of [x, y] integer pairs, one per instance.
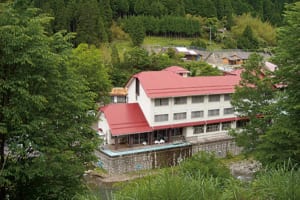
{"points": [[118, 91]]}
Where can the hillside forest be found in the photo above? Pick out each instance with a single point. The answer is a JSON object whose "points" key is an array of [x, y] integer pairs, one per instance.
{"points": [[59, 60], [96, 21]]}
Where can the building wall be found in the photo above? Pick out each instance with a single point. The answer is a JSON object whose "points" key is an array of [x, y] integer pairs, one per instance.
{"points": [[105, 133], [145, 104], [143, 100], [131, 92], [188, 108]]}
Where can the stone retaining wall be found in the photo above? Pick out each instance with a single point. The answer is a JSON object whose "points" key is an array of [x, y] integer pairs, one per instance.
{"points": [[163, 158], [143, 161], [220, 147]]}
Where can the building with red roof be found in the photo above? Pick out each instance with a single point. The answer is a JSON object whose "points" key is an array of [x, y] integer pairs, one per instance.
{"points": [[167, 106]]}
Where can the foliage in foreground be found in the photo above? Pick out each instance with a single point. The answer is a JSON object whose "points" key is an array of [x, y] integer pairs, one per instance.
{"points": [[271, 102], [45, 135], [199, 183]]}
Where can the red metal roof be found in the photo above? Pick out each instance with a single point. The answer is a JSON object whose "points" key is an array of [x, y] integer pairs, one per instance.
{"points": [[159, 84], [176, 69], [124, 119]]}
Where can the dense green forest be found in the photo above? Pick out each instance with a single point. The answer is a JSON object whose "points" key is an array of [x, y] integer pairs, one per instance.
{"points": [[92, 20], [52, 73]]}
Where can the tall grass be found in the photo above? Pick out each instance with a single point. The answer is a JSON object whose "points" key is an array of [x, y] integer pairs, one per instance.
{"points": [[168, 186], [271, 184]]}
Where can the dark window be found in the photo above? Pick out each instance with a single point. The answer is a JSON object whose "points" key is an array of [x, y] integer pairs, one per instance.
{"points": [[161, 118], [180, 100], [137, 86], [197, 114], [178, 116], [214, 112], [227, 97], [212, 127], [228, 111], [197, 99], [214, 98], [161, 102], [121, 99], [198, 129], [226, 125], [241, 123]]}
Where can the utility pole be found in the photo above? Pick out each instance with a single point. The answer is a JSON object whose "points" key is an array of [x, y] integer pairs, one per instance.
{"points": [[209, 35]]}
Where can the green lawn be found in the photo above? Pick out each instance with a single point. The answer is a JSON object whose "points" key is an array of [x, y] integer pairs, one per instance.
{"points": [[126, 45], [167, 41]]}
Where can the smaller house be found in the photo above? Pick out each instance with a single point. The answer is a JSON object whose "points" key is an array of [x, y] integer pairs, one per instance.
{"points": [[270, 66], [188, 53], [118, 95], [236, 59]]}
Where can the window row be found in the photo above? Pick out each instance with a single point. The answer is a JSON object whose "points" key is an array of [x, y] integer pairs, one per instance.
{"points": [[194, 114], [211, 127], [195, 99]]}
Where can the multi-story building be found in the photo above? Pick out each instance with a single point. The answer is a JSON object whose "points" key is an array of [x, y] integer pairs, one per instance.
{"points": [[169, 106]]}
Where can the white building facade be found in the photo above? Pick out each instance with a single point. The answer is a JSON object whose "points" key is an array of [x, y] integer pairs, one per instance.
{"points": [[168, 106]]}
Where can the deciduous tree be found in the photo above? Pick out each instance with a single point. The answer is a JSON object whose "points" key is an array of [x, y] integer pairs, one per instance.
{"points": [[46, 141], [87, 63]]}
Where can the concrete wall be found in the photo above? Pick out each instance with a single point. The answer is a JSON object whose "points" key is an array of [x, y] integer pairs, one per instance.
{"points": [[143, 161], [163, 158]]}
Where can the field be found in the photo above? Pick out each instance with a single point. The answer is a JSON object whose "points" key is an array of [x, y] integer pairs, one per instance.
{"points": [[149, 42]]}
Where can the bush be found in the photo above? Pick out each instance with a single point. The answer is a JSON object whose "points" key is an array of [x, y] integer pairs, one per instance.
{"points": [[205, 164], [199, 43]]}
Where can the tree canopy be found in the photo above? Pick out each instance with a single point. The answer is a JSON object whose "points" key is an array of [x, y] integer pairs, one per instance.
{"points": [[46, 141], [271, 102], [282, 141]]}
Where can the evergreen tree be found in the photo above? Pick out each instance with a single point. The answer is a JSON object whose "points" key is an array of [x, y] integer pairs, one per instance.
{"points": [[106, 12], [247, 40], [252, 100], [282, 142], [140, 7], [136, 31], [157, 9], [45, 135], [120, 8], [115, 58], [88, 30]]}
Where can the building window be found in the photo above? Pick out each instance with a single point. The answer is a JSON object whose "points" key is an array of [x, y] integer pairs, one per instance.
{"points": [[121, 99], [214, 112], [176, 132], [226, 125], [241, 123], [161, 118], [137, 87], [161, 102], [212, 127], [228, 111], [197, 99], [214, 98], [178, 116], [197, 114], [198, 129], [227, 97], [180, 100]]}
